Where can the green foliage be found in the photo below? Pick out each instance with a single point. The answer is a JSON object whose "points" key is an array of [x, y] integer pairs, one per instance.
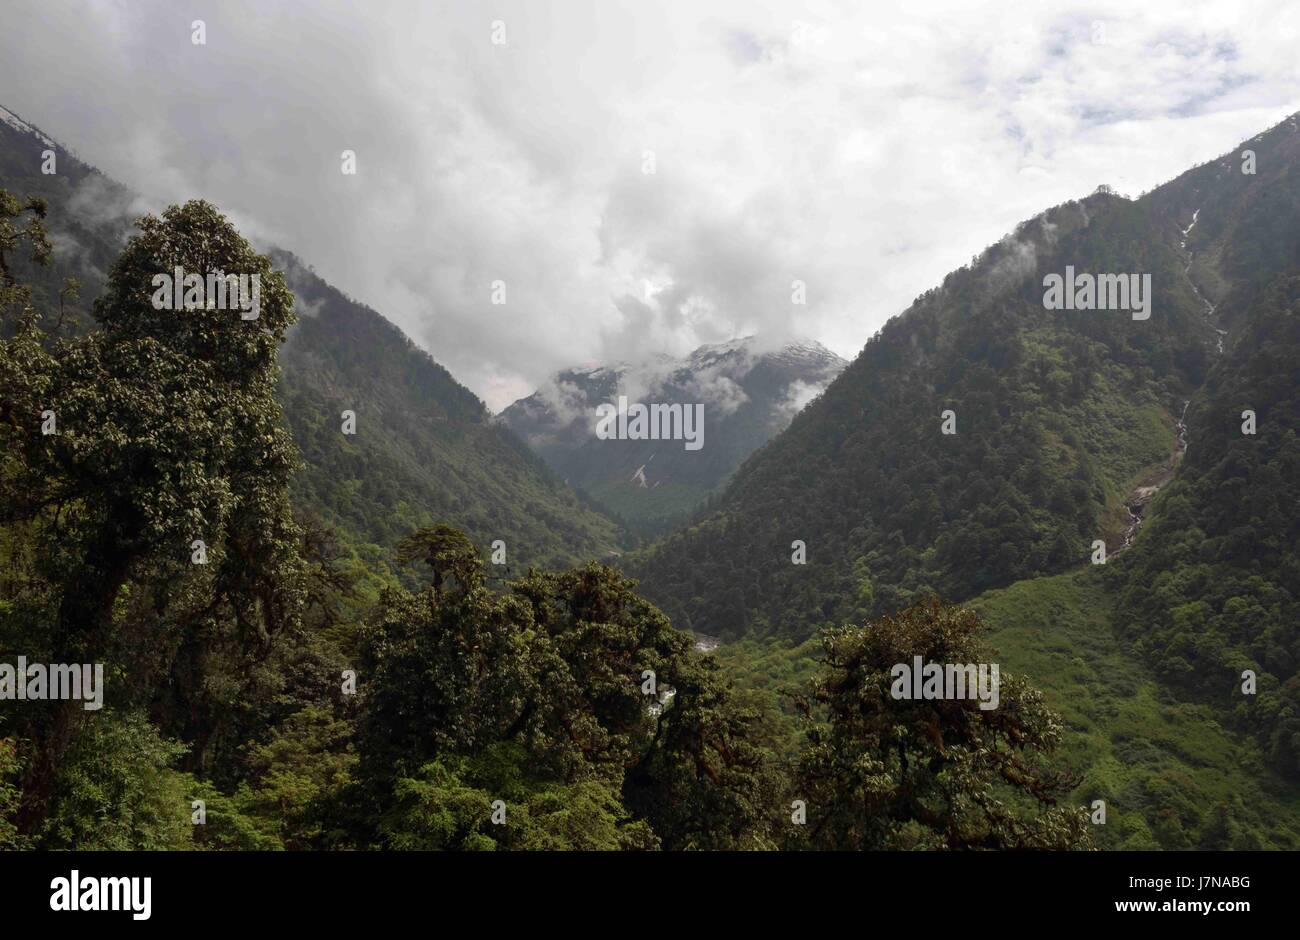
{"points": [[10, 794], [167, 432], [291, 793], [1060, 417], [768, 676], [14, 235], [425, 448], [887, 773], [552, 675], [1055, 411], [448, 805], [1213, 587], [117, 790], [224, 678], [1134, 743]]}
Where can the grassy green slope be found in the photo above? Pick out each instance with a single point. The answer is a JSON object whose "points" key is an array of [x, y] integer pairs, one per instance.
{"points": [[1171, 774]]}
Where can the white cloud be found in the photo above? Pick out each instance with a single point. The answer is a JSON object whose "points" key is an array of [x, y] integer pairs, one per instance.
{"points": [[797, 396], [865, 150]]}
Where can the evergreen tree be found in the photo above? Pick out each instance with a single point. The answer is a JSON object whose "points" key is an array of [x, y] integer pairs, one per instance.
{"points": [[881, 772]]}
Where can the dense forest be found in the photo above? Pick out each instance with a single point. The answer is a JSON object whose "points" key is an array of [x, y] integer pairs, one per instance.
{"points": [[151, 529], [1053, 415], [1070, 429], [415, 636]]}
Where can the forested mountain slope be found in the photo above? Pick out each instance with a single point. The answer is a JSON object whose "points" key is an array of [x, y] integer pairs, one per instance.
{"points": [[1210, 590], [1073, 415], [425, 447], [1058, 414]]}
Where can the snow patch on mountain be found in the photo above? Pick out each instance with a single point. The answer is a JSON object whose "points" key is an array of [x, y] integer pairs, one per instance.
{"points": [[18, 124]]}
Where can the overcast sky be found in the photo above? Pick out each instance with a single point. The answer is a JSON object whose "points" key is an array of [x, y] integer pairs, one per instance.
{"points": [[865, 149]]}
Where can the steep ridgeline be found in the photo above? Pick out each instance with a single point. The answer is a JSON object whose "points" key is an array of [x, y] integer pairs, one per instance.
{"points": [[744, 393], [425, 448], [1059, 414], [89, 218]]}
